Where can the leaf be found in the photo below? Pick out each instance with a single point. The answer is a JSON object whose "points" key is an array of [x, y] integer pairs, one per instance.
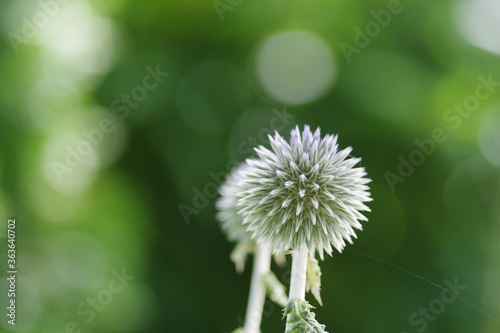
{"points": [[279, 259], [240, 254], [275, 289], [313, 278], [300, 318]]}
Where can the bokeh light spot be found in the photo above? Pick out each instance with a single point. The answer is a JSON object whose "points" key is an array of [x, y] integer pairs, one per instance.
{"points": [[80, 40], [478, 21], [295, 66]]}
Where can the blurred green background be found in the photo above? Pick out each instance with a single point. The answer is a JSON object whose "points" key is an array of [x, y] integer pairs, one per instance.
{"points": [[120, 118]]}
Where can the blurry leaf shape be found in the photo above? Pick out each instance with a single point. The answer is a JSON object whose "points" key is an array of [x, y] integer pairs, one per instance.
{"points": [[313, 278], [280, 259], [275, 289], [240, 254]]}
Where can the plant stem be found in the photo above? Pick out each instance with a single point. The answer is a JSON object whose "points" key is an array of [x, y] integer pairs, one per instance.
{"points": [[261, 266], [298, 280], [299, 271]]}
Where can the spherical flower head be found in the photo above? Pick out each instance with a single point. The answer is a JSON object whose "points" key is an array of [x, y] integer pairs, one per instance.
{"points": [[305, 191], [231, 221]]}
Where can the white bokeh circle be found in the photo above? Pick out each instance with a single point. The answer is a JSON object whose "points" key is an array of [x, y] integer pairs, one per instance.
{"points": [[478, 21], [295, 66]]}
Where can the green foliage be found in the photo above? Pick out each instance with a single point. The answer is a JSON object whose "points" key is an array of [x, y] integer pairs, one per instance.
{"points": [[313, 278], [300, 318]]}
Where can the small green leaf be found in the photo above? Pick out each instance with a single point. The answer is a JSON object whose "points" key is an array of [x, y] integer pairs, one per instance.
{"points": [[313, 278], [279, 259], [300, 318], [240, 254], [275, 289]]}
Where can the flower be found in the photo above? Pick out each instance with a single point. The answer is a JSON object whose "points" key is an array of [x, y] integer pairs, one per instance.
{"points": [[231, 221], [303, 192]]}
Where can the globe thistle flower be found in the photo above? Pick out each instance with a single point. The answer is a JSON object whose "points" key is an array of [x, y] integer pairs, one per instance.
{"points": [[303, 192], [307, 196], [231, 221]]}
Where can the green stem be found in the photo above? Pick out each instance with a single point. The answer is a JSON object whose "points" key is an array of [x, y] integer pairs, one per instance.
{"points": [[261, 266], [298, 280], [299, 272]]}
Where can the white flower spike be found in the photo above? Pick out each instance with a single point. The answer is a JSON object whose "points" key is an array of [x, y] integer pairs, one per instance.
{"points": [[305, 192]]}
